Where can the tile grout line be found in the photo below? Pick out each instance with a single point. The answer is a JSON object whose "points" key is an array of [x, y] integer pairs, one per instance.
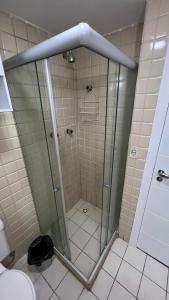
{"points": [[116, 273], [79, 226], [141, 277], [49, 283], [144, 274]]}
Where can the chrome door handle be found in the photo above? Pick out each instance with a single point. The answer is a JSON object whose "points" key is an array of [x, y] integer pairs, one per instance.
{"points": [[162, 175], [107, 186]]}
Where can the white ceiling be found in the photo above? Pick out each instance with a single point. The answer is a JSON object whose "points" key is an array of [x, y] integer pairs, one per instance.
{"points": [[58, 15]]}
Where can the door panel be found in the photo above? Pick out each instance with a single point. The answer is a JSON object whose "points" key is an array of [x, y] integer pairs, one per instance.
{"points": [[156, 206], [156, 249], [156, 227], [154, 237]]}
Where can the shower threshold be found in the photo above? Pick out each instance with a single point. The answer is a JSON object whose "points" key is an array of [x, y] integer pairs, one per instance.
{"points": [[87, 282]]}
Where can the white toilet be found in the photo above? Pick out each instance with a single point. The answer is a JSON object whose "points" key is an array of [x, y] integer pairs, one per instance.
{"points": [[14, 284]]}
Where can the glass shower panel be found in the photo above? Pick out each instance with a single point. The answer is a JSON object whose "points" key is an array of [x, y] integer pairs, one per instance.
{"points": [[80, 90], [54, 150], [126, 92], [109, 148], [24, 90]]}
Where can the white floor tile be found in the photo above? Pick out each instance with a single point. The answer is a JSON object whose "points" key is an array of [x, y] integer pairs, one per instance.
{"points": [[119, 247], [79, 204], [150, 291], [31, 272], [95, 214], [90, 226], [167, 296], [70, 288], [87, 295], [85, 264], [112, 264], [78, 218], [80, 238], [55, 273], [20, 263], [92, 249], [71, 212], [75, 251], [156, 272], [119, 293], [102, 285], [72, 227], [43, 291], [135, 257], [129, 278], [54, 297], [97, 234]]}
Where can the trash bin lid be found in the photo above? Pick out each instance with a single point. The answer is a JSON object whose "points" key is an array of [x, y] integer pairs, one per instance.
{"points": [[15, 284]]}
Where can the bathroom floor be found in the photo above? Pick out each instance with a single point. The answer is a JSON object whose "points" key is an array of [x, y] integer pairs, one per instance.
{"points": [[83, 223], [127, 274]]}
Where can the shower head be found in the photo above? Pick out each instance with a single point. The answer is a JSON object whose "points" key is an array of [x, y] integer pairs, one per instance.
{"points": [[69, 56]]}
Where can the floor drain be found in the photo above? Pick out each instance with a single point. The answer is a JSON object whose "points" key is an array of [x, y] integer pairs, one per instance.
{"points": [[85, 210]]}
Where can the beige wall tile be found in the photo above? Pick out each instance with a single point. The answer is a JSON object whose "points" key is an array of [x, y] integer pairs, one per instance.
{"points": [[153, 49], [20, 29], [6, 23], [21, 44], [162, 26], [9, 42]]}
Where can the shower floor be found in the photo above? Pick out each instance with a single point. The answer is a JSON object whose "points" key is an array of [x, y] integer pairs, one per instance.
{"points": [[83, 223]]}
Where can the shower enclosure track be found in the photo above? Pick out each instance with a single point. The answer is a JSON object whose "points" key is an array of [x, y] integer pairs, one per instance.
{"points": [[88, 282], [81, 35]]}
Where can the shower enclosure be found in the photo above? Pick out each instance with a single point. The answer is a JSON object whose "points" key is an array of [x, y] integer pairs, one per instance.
{"points": [[73, 103]]}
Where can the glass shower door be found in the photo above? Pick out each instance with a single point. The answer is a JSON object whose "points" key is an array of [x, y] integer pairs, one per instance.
{"points": [[52, 138], [120, 99], [126, 92], [109, 147], [28, 96]]}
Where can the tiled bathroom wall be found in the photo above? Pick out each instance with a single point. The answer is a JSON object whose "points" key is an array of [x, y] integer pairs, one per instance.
{"points": [[153, 49], [91, 71], [64, 84]]}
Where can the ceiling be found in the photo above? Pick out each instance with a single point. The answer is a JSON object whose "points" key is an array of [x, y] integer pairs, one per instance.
{"points": [[58, 15]]}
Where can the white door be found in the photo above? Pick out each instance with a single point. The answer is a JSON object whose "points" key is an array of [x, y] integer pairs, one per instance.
{"points": [[154, 232]]}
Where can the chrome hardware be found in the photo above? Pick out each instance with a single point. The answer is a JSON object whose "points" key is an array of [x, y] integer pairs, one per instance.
{"points": [[69, 131], [57, 189], [107, 186], [162, 175], [89, 88]]}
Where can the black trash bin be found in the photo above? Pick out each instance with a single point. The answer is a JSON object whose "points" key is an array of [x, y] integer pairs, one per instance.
{"points": [[40, 252]]}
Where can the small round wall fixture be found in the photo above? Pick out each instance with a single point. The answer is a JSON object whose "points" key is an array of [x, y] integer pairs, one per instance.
{"points": [[69, 131], [89, 88]]}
